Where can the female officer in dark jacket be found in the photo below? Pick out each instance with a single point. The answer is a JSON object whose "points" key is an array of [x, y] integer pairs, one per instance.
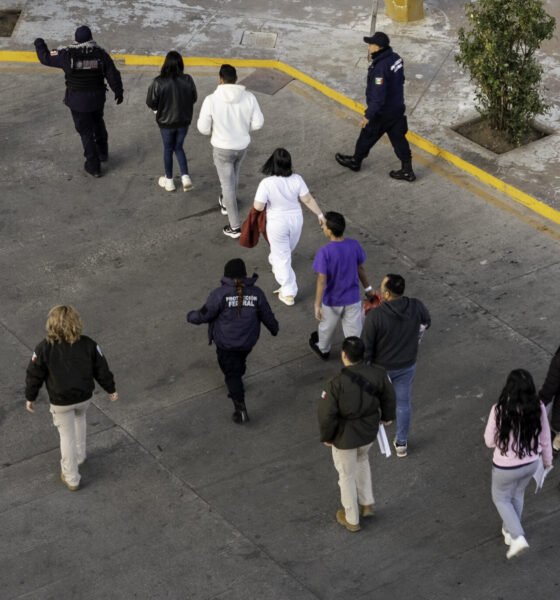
{"points": [[172, 96], [234, 313]]}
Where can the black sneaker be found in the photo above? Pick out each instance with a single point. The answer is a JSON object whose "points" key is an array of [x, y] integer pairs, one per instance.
{"points": [[403, 175], [313, 341], [223, 209], [232, 233], [348, 161]]}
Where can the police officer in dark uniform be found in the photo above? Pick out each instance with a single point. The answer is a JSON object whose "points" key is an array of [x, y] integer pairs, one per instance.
{"points": [[385, 109], [86, 66]]}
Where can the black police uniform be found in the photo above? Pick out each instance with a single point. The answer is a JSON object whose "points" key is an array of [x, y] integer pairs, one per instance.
{"points": [[86, 66], [385, 113]]}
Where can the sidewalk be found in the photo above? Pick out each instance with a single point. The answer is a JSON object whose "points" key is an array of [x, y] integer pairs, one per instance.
{"points": [[323, 39], [177, 501]]}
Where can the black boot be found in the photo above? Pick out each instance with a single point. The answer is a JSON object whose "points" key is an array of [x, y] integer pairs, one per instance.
{"points": [[405, 173], [240, 415], [93, 170], [348, 161]]}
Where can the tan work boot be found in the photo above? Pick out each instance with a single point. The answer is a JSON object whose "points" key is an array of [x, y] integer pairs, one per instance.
{"points": [[341, 518], [72, 488], [367, 510]]}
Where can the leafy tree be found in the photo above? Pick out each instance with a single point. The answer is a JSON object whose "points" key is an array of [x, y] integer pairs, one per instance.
{"points": [[499, 53]]}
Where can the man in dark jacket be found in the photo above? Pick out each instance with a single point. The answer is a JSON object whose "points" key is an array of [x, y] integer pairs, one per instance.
{"points": [[385, 112], [86, 66], [350, 410], [391, 335], [550, 392], [234, 313]]}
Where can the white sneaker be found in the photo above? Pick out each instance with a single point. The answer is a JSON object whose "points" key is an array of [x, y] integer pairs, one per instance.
{"points": [[287, 300], [187, 183], [507, 537], [517, 546], [167, 184]]}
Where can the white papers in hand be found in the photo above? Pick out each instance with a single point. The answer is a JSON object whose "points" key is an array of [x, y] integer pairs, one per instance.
{"points": [[540, 474], [384, 446]]}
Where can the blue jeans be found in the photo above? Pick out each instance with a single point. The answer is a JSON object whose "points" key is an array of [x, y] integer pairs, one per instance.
{"points": [[402, 384], [173, 142]]}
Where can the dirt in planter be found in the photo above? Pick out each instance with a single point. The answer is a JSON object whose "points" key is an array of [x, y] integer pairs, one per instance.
{"points": [[8, 20], [481, 133]]}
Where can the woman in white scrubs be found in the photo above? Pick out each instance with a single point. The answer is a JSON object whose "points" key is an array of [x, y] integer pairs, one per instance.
{"points": [[280, 194]]}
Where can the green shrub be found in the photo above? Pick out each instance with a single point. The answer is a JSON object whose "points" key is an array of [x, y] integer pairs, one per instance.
{"points": [[498, 51]]}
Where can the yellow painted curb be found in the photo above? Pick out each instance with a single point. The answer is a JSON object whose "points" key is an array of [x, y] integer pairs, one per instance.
{"points": [[420, 142]]}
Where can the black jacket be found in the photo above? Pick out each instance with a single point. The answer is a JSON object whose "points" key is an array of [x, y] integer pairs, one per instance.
{"points": [[391, 332], [230, 327], [551, 387], [385, 85], [353, 404], [69, 370], [173, 98], [85, 91]]}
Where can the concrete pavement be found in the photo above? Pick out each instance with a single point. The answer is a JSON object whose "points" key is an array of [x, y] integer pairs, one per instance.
{"points": [[177, 501], [323, 39]]}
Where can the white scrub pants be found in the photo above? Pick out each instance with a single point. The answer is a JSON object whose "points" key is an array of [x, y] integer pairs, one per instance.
{"points": [[283, 232], [71, 424]]}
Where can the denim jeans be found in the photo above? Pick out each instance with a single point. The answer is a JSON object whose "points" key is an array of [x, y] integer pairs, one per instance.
{"points": [[173, 142], [402, 384], [228, 165]]}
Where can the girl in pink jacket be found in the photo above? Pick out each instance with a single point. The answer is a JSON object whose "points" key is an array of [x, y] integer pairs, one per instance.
{"points": [[519, 432]]}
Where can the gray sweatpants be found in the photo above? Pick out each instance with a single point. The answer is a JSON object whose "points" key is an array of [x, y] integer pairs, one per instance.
{"points": [[228, 165], [352, 322], [508, 491]]}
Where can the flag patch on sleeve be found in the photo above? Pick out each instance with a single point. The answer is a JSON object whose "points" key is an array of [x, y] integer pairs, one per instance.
{"points": [[379, 81], [54, 52]]}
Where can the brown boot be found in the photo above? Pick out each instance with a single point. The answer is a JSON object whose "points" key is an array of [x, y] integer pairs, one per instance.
{"points": [[341, 518], [367, 510], [72, 488]]}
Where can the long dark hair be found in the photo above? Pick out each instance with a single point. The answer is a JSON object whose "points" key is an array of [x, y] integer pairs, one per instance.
{"points": [[279, 163], [518, 414], [239, 288], [172, 65]]}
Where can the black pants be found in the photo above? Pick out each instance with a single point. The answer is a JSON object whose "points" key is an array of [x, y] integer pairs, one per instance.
{"points": [[395, 126], [92, 130], [555, 416], [233, 366]]}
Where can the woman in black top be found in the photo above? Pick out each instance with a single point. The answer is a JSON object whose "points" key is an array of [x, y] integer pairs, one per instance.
{"points": [[172, 96], [69, 363]]}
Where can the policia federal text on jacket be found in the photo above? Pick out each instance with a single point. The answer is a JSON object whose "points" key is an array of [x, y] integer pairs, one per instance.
{"points": [[86, 66]]}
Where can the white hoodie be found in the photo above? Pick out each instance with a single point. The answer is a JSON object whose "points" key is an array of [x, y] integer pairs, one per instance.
{"points": [[229, 114]]}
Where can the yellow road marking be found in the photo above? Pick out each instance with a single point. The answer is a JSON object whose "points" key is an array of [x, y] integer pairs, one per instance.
{"points": [[511, 191]]}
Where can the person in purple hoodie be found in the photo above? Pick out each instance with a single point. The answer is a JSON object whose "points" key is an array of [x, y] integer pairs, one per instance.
{"points": [[234, 313]]}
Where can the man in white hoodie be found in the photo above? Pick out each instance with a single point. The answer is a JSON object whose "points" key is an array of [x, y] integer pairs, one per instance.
{"points": [[229, 114]]}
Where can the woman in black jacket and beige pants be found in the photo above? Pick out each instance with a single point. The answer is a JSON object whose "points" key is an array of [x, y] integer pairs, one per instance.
{"points": [[172, 96], [69, 363]]}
